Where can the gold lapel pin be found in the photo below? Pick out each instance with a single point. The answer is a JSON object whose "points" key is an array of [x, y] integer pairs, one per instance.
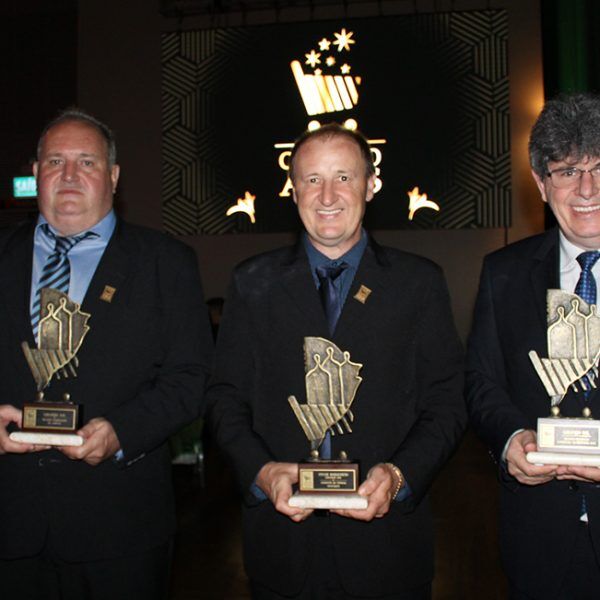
{"points": [[108, 293], [363, 293]]}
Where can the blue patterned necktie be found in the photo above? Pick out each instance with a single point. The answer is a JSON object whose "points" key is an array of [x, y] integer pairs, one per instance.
{"points": [[331, 298], [56, 273], [586, 286]]}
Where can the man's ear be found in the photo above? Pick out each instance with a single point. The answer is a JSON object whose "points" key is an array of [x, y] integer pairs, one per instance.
{"points": [[371, 187], [541, 185]]}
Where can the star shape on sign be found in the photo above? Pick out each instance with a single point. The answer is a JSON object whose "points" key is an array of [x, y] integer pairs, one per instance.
{"points": [[313, 59], [324, 45], [344, 39], [345, 69], [330, 61]]}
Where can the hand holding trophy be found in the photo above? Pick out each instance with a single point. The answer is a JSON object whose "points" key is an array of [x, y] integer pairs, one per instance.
{"points": [[331, 383], [62, 328]]}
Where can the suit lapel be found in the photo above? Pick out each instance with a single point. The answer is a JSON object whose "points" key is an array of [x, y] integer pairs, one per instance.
{"points": [[370, 281], [111, 272], [297, 282], [545, 273]]}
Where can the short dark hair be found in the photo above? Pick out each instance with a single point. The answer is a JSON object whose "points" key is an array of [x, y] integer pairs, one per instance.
{"points": [[568, 128], [80, 116], [333, 130]]}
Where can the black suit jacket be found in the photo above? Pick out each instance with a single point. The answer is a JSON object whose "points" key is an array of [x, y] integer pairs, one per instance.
{"points": [[408, 409], [142, 365], [538, 524]]}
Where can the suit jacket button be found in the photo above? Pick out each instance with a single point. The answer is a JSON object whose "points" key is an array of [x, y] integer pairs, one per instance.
{"points": [[573, 486]]}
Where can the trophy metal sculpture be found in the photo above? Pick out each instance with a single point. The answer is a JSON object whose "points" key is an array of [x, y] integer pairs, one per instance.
{"points": [[573, 351], [62, 328], [331, 381]]}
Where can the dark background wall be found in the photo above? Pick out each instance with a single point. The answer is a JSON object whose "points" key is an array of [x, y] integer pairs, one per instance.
{"points": [[115, 46]]}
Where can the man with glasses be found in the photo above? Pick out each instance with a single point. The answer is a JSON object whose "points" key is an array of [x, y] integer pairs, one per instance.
{"points": [[549, 514]]}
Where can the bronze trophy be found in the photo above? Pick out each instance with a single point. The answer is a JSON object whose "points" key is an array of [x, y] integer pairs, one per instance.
{"points": [[62, 328], [331, 383], [573, 352]]}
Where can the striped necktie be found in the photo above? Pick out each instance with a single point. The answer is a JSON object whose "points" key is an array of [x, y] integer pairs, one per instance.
{"points": [[56, 273]]}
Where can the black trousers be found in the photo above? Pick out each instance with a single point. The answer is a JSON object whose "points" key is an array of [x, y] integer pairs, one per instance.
{"points": [[143, 576], [323, 581], [582, 579]]}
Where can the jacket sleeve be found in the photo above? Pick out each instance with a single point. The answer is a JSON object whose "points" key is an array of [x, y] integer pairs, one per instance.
{"points": [[231, 390], [441, 414], [174, 393], [493, 415]]}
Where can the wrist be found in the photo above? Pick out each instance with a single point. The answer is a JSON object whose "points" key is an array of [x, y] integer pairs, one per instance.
{"points": [[398, 478]]}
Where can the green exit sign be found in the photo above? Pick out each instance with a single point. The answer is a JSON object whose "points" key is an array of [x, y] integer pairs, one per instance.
{"points": [[24, 187]]}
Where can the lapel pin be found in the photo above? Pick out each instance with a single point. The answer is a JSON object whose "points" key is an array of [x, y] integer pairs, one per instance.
{"points": [[363, 293], [108, 293]]}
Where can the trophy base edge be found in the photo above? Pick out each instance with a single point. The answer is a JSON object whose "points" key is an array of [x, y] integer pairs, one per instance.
{"points": [[563, 458], [46, 439], [328, 500]]}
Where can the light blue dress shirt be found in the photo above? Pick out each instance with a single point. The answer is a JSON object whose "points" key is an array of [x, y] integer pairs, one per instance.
{"points": [[83, 257]]}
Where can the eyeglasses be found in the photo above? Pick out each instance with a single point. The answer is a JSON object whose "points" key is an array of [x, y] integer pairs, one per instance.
{"points": [[567, 177]]}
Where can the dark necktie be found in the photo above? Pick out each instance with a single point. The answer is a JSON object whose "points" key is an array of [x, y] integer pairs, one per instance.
{"points": [[586, 290], [56, 273], [586, 286], [331, 298]]}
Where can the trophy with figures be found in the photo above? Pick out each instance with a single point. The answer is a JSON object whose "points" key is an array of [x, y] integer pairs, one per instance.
{"points": [[573, 352], [331, 380], [62, 328]]}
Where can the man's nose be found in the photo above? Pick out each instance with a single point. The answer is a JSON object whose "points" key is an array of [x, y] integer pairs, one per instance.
{"points": [[70, 172], [327, 194], [588, 185]]}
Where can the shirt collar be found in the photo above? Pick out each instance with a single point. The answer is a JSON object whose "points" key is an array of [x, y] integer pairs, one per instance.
{"points": [[352, 258], [569, 252], [103, 228]]}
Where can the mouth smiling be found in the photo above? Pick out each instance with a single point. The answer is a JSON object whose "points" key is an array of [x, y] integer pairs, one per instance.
{"points": [[586, 209]]}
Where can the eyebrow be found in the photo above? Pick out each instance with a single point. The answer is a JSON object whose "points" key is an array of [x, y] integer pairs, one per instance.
{"points": [[80, 155]]}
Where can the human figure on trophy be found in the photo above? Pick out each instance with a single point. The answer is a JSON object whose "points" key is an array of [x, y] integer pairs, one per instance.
{"points": [[105, 351], [532, 367], [337, 393]]}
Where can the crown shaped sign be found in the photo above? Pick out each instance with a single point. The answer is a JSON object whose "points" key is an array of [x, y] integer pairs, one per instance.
{"points": [[329, 87]]}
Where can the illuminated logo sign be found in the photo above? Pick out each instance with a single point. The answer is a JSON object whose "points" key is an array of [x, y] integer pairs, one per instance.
{"points": [[335, 90], [24, 187]]}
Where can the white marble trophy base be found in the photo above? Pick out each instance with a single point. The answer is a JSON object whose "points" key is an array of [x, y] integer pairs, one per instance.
{"points": [[328, 501], [46, 439], [563, 458]]}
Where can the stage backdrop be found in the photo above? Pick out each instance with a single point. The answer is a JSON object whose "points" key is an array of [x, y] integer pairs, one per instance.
{"points": [[430, 92]]}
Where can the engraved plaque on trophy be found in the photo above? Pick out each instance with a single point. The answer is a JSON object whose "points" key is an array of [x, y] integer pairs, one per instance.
{"points": [[573, 351], [331, 380], [62, 328]]}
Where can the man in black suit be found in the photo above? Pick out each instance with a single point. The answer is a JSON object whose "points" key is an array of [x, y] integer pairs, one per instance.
{"points": [[549, 515], [95, 521], [408, 411]]}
